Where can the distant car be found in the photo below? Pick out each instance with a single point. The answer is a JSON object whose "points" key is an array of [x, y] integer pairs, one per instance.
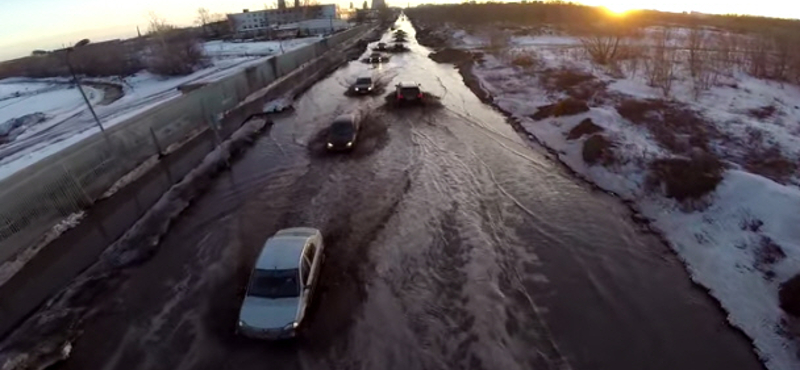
{"points": [[343, 132], [408, 92], [381, 46], [399, 47], [363, 85], [376, 58], [282, 284]]}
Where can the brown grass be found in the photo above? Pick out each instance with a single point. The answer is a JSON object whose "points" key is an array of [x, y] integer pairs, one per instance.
{"points": [[685, 179], [577, 84], [566, 107], [586, 127], [770, 163], [676, 128], [598, 150]]}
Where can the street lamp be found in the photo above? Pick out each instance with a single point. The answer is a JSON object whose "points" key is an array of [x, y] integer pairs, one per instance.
{"points": [[77, 82]]}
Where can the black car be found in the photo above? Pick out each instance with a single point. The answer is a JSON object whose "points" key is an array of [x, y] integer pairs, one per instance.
{"points": [[381, 46], [363, 85], [343, 132], [399, 47], [408, 92], [376, 58]]}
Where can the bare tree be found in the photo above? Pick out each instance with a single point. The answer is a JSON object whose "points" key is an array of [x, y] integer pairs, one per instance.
{"points": [[783, 46], [660, 67], [695, 43], [203, 19], [156, 24], [271, 5], [605, 44]]}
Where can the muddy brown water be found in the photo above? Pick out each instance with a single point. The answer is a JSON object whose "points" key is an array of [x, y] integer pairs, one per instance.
{"points": [[452, 243]]}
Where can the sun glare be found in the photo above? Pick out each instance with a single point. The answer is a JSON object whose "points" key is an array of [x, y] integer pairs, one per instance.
{"points": [[617, 9]]}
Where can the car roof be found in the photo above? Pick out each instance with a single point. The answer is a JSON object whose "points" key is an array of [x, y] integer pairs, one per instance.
{"points": [[364, 78], [281, 252], [349, 118], [408, 84]]}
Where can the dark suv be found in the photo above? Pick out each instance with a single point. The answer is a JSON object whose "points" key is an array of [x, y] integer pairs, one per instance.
{"points": [[343, 132], [408, 92], [363, 85], [376, 58]]}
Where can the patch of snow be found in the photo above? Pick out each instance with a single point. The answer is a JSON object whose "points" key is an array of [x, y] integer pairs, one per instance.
{"points": [[544, 40], [143, 91], [56, 101], [719, 251]]}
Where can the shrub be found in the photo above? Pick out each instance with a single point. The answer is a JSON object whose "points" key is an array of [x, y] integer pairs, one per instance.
{"points": [[586, 127], [771, 164], [524, 60], [597, 149], [566, 107], [174, 53], [684, 179], [675, 127], [576, 84]]}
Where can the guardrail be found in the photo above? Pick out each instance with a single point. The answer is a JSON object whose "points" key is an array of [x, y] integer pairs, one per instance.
{"points": [[37, 197]]}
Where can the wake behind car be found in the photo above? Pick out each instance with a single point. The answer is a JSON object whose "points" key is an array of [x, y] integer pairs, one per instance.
{"points": [[343, 132], [282, 284], [363, 85], [408, 92]]}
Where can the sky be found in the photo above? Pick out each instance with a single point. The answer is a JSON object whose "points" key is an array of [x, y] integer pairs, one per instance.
{"points": [[26, 25]]}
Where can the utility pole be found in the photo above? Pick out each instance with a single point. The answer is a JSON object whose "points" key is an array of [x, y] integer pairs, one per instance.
{"points": [[83, 94]]}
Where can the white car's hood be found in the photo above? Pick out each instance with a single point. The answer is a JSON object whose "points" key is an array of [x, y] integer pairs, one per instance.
{"points": [[264, 313]]}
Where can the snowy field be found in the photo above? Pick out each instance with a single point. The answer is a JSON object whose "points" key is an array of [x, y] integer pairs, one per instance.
{"points": [[56, 117], [743, 239], [56, 101]]}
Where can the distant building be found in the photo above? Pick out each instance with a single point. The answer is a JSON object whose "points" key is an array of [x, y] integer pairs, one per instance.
{"points": [[263, 21], [311, 27], [378, 4]]}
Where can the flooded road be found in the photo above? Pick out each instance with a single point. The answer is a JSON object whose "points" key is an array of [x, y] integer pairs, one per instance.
{"points": [[451, 245]]}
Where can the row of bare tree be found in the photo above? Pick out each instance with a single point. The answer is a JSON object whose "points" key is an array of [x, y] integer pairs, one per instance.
{"points": [[165, 50], [708, 55]]}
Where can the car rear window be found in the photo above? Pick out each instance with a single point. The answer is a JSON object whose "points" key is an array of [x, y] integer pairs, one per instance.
{"points": [[410, 90], [275, 283]]}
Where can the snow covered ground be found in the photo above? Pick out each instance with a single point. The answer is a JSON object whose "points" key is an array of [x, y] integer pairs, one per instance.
{"points": [[743, 240], [56, 101], [68, 120]]}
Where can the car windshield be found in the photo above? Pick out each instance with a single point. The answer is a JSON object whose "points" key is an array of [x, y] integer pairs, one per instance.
{"points": [[341, 128], [275, 284], [364, 81], [410, 90]]}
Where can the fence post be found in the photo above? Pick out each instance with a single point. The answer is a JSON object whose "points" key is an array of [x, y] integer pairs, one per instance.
{"points": [[155, 142]]}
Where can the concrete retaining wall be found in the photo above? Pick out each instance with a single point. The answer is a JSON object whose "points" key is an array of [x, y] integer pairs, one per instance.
{"points": [[35, 198], [60, 262]]}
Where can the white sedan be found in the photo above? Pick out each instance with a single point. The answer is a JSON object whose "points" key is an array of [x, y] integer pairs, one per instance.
{"points": [[282, 284]]}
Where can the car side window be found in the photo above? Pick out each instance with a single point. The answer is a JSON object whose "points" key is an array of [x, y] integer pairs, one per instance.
{"points": [[310, 252], [306, 270]]}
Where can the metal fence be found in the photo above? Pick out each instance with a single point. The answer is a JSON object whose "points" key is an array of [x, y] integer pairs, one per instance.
{"points": [[35, 198]]}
